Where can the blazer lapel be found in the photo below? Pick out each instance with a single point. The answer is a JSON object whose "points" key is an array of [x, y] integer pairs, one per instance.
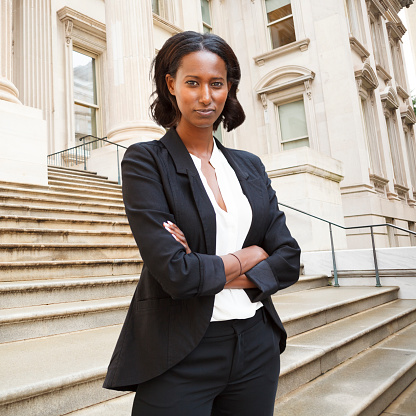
{"points": [[184, 165], [252, 189]]}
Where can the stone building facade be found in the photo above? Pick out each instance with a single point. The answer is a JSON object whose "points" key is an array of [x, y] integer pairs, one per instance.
{"points": [[323, 86]]}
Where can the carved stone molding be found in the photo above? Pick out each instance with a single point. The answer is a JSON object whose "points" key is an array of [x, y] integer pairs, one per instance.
{"points": [[366, 77], [395, 31], [379, 183], [271, 82], [401, 191], [164, 24], [358, 47], [408, 115], [376, 7], [390, 99], [85, 30], [402, 92], [301, 45], [384, 75]]}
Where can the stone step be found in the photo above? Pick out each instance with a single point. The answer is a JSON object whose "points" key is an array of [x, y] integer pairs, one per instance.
{"points": [[119, 406], [83, 190], [80, 186], [37, 270], [44, 320], [46, 292], [315, 352], [362, 386], [13, 202], [24, 252], [303, 311], [49, 236], [81, 212], [305, 283], [75, 172], [303, 357], [60, 194], [66, 372], [404, 405], [69, 177], [117, 224]]}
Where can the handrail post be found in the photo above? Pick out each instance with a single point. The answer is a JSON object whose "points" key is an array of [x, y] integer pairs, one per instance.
{"points": [[85, 158], [336, 284], [378, 284], [118, 167]]}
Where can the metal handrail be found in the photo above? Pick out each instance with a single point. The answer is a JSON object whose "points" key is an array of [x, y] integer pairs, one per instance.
{"points": [[330, 223], [83, 155]]}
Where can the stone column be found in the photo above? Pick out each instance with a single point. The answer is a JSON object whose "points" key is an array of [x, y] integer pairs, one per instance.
{"points": [[33, 58], [8, 92], [130, 51]]}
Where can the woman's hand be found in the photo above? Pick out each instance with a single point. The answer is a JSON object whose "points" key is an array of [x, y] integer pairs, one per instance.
{"points": [[177, 234]]}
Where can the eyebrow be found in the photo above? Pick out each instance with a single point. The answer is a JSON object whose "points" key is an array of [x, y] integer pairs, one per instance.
{"points": [[197, 77]]}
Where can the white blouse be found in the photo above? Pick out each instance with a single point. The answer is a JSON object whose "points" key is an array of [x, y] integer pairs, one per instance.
{"points": [[232, 229]]}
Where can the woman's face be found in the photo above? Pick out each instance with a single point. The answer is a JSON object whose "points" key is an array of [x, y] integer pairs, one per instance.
{"points": [[201, 88]]}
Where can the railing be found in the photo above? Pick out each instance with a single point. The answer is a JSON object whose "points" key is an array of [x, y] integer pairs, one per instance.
{"points": [[78, 155], [336, 284]]}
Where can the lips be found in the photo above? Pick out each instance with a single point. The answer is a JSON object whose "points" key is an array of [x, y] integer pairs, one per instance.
{"points": [[205, 111]]}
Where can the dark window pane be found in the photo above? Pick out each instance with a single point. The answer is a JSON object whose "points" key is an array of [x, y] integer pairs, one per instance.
{"points": [[84, 78], [280, 13], [283, 33]]}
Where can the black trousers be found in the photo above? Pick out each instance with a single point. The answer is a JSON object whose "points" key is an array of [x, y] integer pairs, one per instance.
{"points": [[233, 372]]}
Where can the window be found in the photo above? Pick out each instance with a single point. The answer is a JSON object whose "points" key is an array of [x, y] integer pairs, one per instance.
{"points": [[293, 126], [398, 66], [378, 42], [155, 7], [280, 22], [206, 16], [370, 131], [395, 150], [85, 94], [411, 155], [355, 19]]}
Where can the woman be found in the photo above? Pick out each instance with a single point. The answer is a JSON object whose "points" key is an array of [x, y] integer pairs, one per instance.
{"points": [[201, 336]]}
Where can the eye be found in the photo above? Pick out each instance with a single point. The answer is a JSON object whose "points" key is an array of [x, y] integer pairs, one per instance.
{"points": [[192, 83], [217, 84]]}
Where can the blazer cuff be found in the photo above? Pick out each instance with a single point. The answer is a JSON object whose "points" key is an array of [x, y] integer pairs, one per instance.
{"points": [[261, 274], [212, 274]]}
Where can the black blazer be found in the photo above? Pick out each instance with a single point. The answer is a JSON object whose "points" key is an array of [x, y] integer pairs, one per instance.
{"points": [[173, 302]]}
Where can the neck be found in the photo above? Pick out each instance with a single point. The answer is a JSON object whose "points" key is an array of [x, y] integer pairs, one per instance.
{"points": [[197, 141]]}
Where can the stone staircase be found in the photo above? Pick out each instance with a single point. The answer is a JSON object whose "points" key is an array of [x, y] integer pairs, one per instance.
{"points": [[68, 268]]}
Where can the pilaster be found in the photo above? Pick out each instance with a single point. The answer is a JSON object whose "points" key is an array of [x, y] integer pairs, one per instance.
{"points": [[8, 91], [33, 58]]}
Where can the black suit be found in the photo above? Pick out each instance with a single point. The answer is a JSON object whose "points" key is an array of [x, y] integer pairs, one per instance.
{"points": [[172, 305]]}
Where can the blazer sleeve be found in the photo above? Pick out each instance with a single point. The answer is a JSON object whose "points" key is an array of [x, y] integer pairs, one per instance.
{"points": [[181, 275], [281, 268]]}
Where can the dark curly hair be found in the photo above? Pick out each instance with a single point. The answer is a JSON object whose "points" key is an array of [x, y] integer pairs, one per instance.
{"points": [[164, 108]]}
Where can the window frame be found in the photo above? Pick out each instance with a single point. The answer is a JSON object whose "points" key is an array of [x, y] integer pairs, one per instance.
{"points": [[268, 25], [96, 107], [279, 103], [205, 25]]}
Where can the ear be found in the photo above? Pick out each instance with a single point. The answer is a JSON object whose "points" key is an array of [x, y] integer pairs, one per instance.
{"points": [[170, 82]]}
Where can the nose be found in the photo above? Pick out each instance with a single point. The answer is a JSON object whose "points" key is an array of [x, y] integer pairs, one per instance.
{"points": [[205, 95]]}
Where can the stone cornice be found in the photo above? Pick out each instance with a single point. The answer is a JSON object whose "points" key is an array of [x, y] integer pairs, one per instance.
{"points": [[305, 168], [385, 76], [402, 92], [389, 98], [358, 47], [164, 24], [376, 7], [367, 77], [408, 115], [82, 22], [300, 44]]}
